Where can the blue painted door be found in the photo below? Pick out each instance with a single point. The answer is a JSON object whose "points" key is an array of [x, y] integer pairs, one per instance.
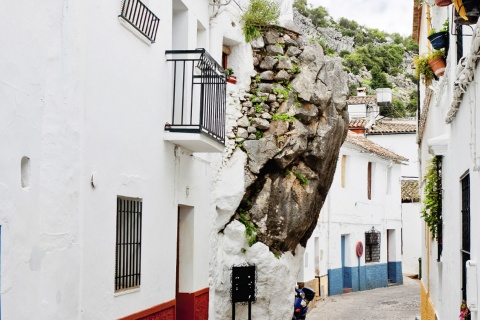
{"points": [[343, 262]]}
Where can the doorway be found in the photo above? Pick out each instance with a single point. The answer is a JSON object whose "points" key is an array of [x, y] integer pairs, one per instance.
{"points": [[184, 274]]}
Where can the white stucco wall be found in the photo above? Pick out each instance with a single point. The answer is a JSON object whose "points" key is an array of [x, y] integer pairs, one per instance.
{"points": [[412, 225], [402, 144], [81, 94], [443, 279], [348, 212]]}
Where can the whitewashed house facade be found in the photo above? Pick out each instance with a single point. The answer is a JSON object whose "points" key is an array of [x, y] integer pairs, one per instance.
{"points": [[105, 208], [362, 209], [448, 131], [399, 136]]}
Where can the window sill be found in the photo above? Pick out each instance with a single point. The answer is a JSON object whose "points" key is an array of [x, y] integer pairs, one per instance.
{"points": [[126, 291]]}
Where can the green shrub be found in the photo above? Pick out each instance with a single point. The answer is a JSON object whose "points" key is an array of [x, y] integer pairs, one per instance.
{"points": [[260, 13]]}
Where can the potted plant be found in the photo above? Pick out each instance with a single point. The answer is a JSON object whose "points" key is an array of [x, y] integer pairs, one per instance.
{"points": [[431, 65], [230, 77], [464, 311], [439, 39], [466, 11]]}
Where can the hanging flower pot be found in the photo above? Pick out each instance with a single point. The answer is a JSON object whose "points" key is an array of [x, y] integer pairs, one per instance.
{"points": [[438, 65], [439, 40], [466, 11], [232, 79], [443, 3]]}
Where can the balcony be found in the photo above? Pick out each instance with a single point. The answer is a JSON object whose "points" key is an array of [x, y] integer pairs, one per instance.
{"points": [[198, 101], [137, 15]]}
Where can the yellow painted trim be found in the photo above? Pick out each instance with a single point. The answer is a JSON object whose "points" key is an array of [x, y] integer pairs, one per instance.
{"points": [[427, 309]]}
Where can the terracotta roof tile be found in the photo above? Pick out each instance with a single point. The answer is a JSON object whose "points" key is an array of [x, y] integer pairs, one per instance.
{"points": [[359, 140], [410, 192], [383, 127], [361, 99], [358, 123]]}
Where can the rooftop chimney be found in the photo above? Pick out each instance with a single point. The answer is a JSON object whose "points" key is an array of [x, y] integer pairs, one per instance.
{"points": [[361, 92]]}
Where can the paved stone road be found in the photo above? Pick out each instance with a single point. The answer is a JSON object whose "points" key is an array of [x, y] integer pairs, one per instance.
{"points": [[393, 303]]}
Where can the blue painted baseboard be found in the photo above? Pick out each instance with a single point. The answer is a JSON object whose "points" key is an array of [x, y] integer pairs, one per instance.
{"points": [[377, 276], [365, 277], [395, 272], [335, 282]]}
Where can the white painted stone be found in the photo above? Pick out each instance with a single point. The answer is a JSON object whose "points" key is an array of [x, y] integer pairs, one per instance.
{"points": [[229, 188]]}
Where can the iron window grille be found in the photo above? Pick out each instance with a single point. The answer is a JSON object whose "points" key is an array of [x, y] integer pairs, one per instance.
{"points": [[439, 201], [465, 230], [128, 243], [141, 18], [199, 94], [372, 245]]}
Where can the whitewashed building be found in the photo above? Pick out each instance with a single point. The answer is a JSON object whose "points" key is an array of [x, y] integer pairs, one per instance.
{"points": [[399, 136], [105, 208], [448, 131], [362, 214]]}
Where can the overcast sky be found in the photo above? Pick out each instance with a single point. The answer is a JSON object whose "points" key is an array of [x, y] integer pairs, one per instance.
{"points": [[386, 15]]}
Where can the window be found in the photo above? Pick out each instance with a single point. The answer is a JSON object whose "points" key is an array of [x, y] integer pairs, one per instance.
{"points": [[344, 163], [370, 174], [128, 243], [372, 246], [389, 179], [136, 14], [225, 53]]}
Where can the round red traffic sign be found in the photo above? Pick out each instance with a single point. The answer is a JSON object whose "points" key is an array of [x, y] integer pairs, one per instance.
{"points": [[359, 249]]}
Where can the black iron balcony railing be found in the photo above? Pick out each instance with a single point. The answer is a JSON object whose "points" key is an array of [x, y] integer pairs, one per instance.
{"points": [[199, 94], [141, 18]]}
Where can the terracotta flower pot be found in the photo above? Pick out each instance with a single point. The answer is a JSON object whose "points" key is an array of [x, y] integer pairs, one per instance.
{"points": [[438, 66], [443, 3], [232, 79]]}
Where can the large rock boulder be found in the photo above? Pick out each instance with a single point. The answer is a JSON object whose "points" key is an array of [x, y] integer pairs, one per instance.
{"points": [[286, 172]]}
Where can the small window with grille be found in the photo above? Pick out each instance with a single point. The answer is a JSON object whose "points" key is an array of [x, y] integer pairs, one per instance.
{"points": [[372, 246], [128, 243]]}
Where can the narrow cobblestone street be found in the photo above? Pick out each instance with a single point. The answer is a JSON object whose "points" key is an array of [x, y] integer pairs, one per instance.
{"points": [[393, 303]]}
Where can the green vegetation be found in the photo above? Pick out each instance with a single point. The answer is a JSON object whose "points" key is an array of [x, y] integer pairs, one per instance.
{"points": [[423, 69], [283, 117], [432, 213], [281, 91], [250, 229], [259, 134], [379, 79], [260, 13], [303, 180], [258, 108], [388, 57], [295, 69], [412, 104], [318, 15]]}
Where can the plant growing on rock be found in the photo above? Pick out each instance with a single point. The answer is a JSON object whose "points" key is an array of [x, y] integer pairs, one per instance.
{"points": [[283, 117], [281, 91], [250, 229], [260, 13], [301, 177]]}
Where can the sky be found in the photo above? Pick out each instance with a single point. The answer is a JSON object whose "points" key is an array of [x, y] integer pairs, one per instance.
{"points": [[386, 15]]}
